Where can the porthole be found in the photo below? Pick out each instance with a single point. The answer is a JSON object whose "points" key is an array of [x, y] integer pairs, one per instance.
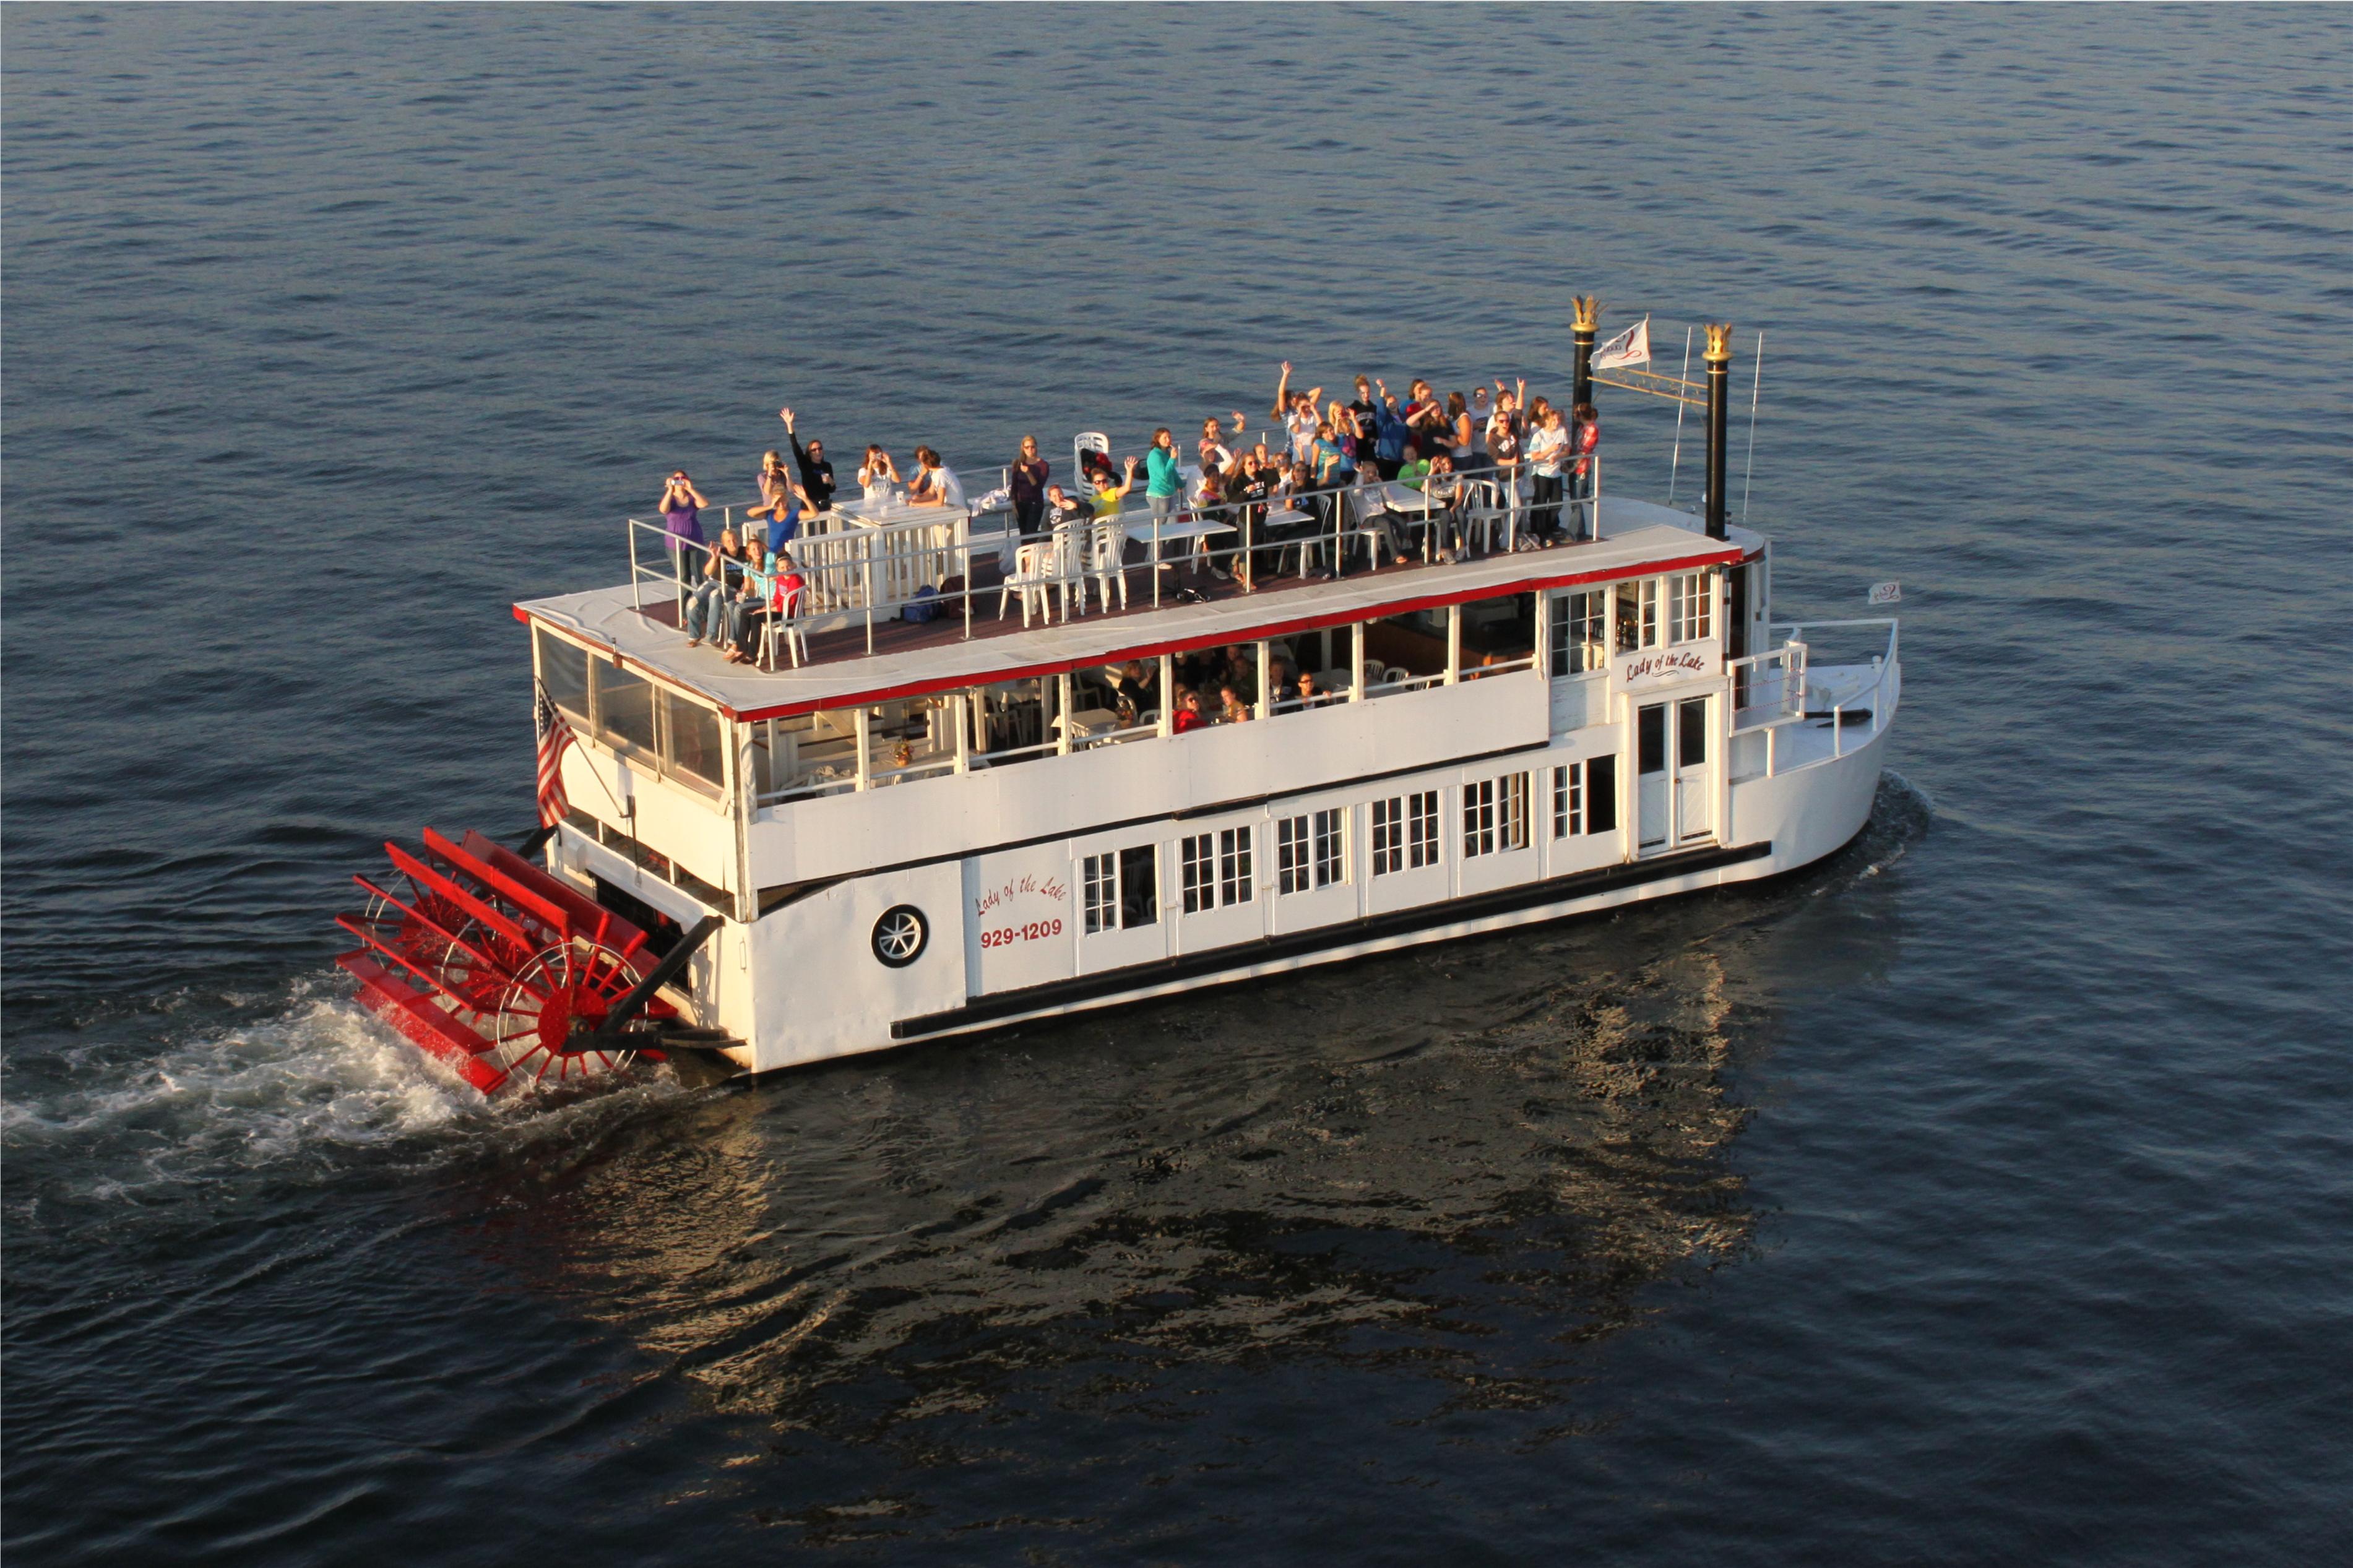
{"points": [[900, 935]]}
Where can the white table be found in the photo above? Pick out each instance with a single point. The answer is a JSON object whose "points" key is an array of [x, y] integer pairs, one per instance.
{"points": [[1086, 723]]}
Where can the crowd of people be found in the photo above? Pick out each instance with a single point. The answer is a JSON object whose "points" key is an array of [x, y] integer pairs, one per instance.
{"points": [[1327, 478], [1211, 686]]}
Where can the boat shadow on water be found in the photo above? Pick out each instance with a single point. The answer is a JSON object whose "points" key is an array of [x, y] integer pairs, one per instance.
{"points": [[1465, 1164]]}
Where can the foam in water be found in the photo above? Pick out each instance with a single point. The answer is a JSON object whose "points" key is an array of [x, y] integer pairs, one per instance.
{"points": [[319, 1076]]}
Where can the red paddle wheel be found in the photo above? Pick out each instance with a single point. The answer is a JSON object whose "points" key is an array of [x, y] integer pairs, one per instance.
{"points": [[485, 960]]}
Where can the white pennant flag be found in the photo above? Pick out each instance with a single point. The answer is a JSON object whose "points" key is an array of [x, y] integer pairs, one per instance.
{"points": [[1631, 347]]}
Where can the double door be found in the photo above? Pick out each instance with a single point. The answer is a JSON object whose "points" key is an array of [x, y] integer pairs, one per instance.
{"points": [[1675, 793]]}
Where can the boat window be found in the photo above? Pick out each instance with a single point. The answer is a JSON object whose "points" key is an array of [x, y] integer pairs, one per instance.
{"points": [[1691, 733], [1196, 861], [1585, 798], [563, 673], [1139, 886], [1688, 609], [1235, 885], [1309, 851], [1498, 634], [1099, 892], [1405, 832], [911, 737], [1580, 632], [1405, 653], [1011, 721], [625, 709], [1638, 615], [808, 753], [1602, 795], [1217, 869], [1495, 814], [1650, 739], [690, 734]]}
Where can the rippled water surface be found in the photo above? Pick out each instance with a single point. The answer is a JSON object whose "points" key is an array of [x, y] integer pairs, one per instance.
{"points": [[1979, 1196]]}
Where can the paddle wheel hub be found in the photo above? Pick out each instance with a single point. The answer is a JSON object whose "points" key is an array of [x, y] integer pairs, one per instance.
{"points": [[485, 961]]}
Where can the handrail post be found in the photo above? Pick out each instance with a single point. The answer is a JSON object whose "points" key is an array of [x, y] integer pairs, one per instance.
{"points": [[637, 579]]}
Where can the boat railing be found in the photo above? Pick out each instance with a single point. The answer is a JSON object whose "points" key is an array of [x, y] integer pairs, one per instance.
{"points": [[860, 566], [1865, 700]]}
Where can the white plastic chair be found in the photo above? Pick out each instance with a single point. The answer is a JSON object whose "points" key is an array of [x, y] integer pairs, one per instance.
{"points": [[1107, 561], [1032, 577], [783, 625]]}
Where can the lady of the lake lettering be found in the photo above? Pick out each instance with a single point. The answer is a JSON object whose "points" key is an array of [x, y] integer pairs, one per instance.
{"points": [[1044, 887], [1684, 661]]}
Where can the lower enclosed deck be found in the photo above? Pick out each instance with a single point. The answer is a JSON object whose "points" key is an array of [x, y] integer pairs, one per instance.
{"points": [[1134, 905]]}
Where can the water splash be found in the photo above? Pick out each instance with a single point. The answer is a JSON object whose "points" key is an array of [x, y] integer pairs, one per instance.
{"points": [[315, 1080]]}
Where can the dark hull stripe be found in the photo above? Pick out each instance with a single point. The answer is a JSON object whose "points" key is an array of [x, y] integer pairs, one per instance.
{"points": [[1369, 928]]}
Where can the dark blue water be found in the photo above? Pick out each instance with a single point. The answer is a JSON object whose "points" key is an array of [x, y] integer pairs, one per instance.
{"points": [[1985, 1195]]}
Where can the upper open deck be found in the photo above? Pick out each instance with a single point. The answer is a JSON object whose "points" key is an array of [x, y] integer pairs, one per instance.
{"points": [[980, 636]]}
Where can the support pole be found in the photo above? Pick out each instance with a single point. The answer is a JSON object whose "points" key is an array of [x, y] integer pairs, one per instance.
{"points": [[1718, 355]]}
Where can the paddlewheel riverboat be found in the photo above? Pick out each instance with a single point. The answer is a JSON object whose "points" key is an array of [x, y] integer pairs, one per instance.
{"points": [[902, 828]]}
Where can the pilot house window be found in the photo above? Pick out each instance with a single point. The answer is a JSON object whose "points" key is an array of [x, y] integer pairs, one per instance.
{"points": [[1638, 615], [1579, 632], [1688, 619]]}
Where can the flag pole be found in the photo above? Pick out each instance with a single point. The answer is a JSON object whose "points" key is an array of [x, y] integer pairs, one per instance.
{"points": [[1676, 462], [1755, 390]]}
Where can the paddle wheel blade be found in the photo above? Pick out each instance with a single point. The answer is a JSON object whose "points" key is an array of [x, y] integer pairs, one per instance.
{"points": [[486, 962]]}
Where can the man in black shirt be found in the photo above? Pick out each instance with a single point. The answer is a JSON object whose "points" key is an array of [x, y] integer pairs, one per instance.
{"points": [[816, 474], [1063, 511]]}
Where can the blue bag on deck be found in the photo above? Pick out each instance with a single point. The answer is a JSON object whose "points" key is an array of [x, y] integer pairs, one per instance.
{"points": [[921, 607]]}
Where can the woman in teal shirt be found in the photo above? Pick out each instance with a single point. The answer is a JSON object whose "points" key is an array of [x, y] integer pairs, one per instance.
{"points": [[1163, 481]]}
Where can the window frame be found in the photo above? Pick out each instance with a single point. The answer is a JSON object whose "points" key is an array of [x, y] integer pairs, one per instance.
{"points": [[1329, 843], [1237, 881], [1421, 829], [1690, 607], [1099, 893], [1585, 611], [1196, 858], [1388, 836], [1292, 855]]}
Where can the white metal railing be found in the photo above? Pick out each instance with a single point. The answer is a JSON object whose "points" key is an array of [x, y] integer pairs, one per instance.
{"points": [[859, 567], [1881, 665], [1770, 685]]}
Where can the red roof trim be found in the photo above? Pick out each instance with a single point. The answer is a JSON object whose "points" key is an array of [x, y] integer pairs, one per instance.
{"points": [[1724, 557]]}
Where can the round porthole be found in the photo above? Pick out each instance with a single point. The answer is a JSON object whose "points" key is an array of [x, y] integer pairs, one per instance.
{"points": [[900, 935]]}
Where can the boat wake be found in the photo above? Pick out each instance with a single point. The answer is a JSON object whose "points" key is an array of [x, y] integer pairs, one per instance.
{"points": [[315, 1081]]}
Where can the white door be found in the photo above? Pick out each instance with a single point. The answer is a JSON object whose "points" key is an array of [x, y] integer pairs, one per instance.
{"points": [[1653, 780], [1694, 790]]}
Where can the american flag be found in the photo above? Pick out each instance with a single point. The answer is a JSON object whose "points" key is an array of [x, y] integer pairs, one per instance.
{"points": [[554, 734]]}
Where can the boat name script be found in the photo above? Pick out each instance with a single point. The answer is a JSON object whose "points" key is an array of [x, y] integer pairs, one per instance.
{"points": [[1665, 666], [1044, 887]]}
